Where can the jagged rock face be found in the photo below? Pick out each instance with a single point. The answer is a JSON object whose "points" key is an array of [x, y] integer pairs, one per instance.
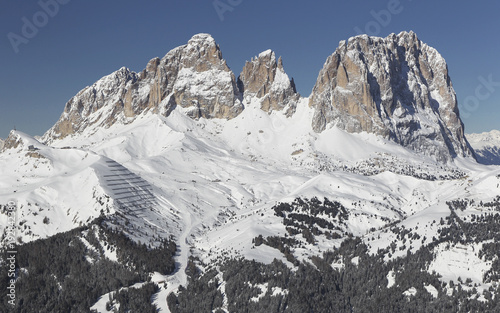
{"points": [[12, 142], [1, 144], [265, 79], [204, 83], [396, 87], [100, 103], [193, 76]]}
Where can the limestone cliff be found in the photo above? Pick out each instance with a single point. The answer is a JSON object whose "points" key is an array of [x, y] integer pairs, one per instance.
{"points": [[194, 77], [396, 87], [265, 79]]}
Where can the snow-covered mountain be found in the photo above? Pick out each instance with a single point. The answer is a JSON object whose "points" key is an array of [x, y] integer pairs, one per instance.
{"points": [[234, 170], [487, 146], [264, 78], [193, 77], [396, 87]]}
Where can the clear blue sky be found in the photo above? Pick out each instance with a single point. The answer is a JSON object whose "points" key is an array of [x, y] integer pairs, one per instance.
{"points": [[86, 40]]}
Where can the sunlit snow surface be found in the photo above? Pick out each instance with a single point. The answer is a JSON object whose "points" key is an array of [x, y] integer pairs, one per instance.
{"points": [[212, 185], [487, 146]]}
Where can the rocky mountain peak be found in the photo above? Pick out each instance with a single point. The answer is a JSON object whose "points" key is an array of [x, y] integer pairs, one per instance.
{"points": [[194, 77], [202, 39], [12, 141], [396, 87], [201, 51], [265, 79], [202, 82], [406, 37], [18, 140]]}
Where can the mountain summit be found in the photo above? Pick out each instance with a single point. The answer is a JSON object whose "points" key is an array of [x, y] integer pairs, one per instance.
{"points": [[264, 78], [194, 77], [396, 87]]}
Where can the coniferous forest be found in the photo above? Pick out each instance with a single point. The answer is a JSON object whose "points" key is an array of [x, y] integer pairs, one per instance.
{"points": [[70, 271]]}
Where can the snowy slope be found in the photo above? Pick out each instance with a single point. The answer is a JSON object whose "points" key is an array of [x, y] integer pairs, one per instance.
{"points": [[55, 189], [58, 189], [212, 184]]}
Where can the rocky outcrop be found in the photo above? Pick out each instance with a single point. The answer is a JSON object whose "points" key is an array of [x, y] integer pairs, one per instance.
{"points": [[12, 142], [19, 141], [15, 141], [265, 79], [396, 87], [204, 83], [194, 77], [102, 104]]}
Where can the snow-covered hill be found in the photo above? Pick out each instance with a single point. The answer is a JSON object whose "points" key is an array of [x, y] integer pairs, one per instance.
{"points": [[487, 146]]}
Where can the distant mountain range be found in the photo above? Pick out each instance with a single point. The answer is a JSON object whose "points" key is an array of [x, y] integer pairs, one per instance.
{"points": [[487, 146]]}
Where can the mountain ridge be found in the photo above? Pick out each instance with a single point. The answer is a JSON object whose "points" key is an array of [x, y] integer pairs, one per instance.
{"points": [[195, 78], [487, 146]]}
